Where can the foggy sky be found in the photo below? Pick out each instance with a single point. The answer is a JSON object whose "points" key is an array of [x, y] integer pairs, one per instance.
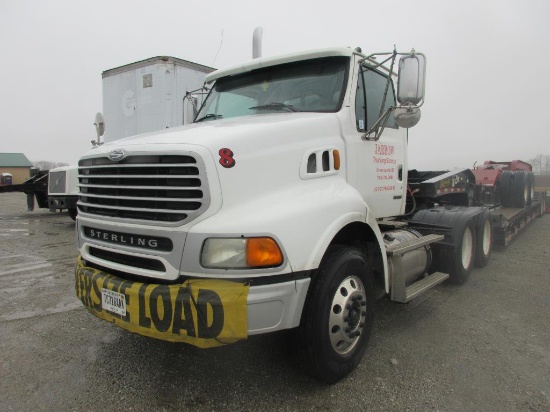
{"points": [[486, 88]]}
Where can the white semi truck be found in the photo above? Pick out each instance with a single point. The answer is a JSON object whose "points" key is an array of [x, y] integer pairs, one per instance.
{"points": [[285, 205]]}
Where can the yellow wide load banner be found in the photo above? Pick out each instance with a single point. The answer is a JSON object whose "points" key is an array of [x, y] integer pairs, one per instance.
{"points": [[204, 313]]}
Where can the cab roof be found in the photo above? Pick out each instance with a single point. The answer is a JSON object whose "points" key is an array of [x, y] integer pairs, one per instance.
{"points": [[280, 59]]}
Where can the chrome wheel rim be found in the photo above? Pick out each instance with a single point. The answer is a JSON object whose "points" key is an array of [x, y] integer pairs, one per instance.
{"points": [[347, 315]]}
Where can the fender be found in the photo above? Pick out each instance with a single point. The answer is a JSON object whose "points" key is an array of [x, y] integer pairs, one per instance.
{"points": [[287, 216], [328, 236], [305, 222]]}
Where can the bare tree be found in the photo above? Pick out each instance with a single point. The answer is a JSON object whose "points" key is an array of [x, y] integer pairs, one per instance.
{"points": [[535, 164], [546, 161], [538, 162], [47, 165]]}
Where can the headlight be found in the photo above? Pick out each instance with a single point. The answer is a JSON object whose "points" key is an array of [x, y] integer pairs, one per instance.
{"points": [[241, 253]]}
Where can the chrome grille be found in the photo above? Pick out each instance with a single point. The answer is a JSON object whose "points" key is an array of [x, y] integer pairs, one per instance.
{"points": [[159, 188], [57, 182]]}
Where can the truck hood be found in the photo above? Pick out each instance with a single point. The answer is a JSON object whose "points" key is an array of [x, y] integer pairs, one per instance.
{"points": [[215, 134]]}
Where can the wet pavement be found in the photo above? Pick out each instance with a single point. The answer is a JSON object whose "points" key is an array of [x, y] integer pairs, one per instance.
{"points": [[483, 346]]}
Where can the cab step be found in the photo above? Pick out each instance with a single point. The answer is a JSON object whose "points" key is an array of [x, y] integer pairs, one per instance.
{"points": [[422, 285]]}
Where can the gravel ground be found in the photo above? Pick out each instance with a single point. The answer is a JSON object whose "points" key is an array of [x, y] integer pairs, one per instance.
{"points": [[483, 346]]}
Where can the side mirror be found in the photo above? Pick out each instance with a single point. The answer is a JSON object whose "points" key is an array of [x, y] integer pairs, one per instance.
{"points": [[99, 128], [99, 125], [407, 116], [412, 73]]}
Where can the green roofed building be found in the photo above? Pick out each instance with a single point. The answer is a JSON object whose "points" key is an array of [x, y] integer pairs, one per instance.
{"points": [[17, 165]]}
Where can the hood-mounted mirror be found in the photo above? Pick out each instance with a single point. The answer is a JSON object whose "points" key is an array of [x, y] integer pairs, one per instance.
{"points": [[99, 128]]}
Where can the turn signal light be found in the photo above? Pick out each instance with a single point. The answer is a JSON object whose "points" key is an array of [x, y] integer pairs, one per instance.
{"points": [[336, 156], [262, 252]]}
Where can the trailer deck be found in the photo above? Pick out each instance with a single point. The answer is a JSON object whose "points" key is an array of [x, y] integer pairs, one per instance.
{"points": [[507, 221]]}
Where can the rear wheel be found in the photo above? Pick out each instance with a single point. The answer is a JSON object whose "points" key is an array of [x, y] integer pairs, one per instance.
{"points": [[338, 315], [460, 259], [484, 240]]}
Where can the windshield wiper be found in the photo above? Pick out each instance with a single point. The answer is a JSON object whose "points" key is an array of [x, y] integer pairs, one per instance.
{"points": [[209, 116], [275, 106]]}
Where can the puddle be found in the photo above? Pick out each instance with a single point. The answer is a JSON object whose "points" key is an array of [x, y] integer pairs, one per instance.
{"points": [[59, 308], [16, 264], [14, 232], [71, 223]]}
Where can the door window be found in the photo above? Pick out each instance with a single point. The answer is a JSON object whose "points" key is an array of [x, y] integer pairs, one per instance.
{"points": [[368, 99]]}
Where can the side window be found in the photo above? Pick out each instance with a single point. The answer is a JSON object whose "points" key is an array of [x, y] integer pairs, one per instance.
{"points": [[373, 85], [360, 104]]}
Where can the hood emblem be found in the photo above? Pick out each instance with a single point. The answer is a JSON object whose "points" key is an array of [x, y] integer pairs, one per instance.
{"points": [[117, 155]]}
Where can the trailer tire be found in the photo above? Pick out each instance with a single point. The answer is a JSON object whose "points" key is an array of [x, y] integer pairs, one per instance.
{"points": [[505, 189], [520, 190], [530, 187], [542, 204], [461, 261], [72, 213], [337, 319], [484, 239]]}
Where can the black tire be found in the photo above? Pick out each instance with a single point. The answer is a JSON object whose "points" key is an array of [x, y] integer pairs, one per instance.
{"points": [[484, 239], [338, 315], [459, 260], [542, 204], [72, 213], [470, 195], [520, 193], [504, 189], [530, 176]]}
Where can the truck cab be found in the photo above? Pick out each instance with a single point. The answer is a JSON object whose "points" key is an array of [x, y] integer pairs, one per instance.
{"points": [[272, 211]]}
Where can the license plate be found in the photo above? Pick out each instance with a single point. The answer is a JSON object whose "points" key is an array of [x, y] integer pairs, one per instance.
{"points": [[113, 302]]}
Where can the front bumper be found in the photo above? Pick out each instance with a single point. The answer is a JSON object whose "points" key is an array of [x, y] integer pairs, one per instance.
{"points": [[62, 202], [202, 312]]}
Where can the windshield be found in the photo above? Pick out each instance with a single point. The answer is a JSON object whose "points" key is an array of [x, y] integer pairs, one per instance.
{"points": [[308, 86]]}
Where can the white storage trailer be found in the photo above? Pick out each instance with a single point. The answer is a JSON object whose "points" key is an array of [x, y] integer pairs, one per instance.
{"points": [[145, 96], [149, 95]]}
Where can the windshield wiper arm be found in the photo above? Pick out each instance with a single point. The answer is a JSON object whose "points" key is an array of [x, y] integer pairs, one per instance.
{"points": [[275, 106], [209, 116]]}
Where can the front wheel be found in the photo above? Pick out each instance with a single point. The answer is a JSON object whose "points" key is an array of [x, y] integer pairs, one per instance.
{"points": [[338, 315]]}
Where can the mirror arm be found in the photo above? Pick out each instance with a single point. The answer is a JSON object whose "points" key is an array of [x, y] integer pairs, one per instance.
{"points": [[378, 128], [373, 63], [388, 82], [188, 95]]}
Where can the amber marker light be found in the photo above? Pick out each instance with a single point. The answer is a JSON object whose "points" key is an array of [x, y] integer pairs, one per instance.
{"points": [[336, 155], [262, 252]]}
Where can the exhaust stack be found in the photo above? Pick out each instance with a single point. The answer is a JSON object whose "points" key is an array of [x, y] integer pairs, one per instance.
{"points": [[257, 42]]}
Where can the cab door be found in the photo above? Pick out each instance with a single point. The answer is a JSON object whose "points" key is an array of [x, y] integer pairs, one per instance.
{"points": [[382, 163]]}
